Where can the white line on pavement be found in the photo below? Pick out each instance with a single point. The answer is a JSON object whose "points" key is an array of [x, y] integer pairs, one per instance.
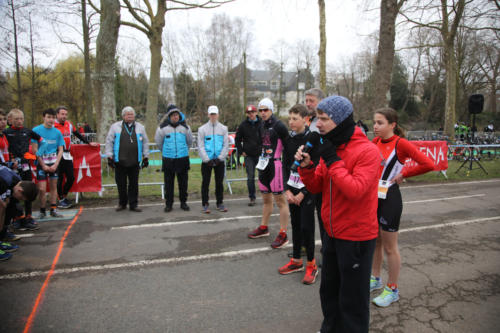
{"points": [[228, 254], [401, 187], [167, 224]]}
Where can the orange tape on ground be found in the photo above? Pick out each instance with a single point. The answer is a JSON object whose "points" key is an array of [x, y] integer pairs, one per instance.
{"points": [[31, 318]]}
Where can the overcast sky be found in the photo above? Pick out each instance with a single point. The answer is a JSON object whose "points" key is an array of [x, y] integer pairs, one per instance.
{"points": [[348, 24]]}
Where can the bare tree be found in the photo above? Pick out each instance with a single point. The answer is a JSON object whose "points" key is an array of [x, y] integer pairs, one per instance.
{"points": [[389, 10], [152, 23], [322, 45], [105, 66]]}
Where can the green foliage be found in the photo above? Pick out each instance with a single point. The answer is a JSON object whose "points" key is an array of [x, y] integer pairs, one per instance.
{"points": [[400, 94]]}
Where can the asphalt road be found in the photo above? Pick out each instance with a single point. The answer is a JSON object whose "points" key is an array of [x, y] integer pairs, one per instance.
{"points": [[189, 272]]}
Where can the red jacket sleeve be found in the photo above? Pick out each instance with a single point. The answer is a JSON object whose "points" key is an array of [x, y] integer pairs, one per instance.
{"points": [[365, 171], [407, 150], [312, 178]]}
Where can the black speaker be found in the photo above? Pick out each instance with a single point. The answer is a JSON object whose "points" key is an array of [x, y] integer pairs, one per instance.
{"points": [[476, 103]]}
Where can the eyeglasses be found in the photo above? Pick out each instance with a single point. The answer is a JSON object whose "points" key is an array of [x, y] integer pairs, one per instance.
{"points": [[251, 112], [263, 110]]}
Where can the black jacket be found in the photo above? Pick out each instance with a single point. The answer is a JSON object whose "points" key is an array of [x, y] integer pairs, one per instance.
{"points": [[291, 145], [248, 137]]}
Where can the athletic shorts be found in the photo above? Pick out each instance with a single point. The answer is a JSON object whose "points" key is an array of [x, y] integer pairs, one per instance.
{"points": [[390, 209], [271, 179], [41, 175]]}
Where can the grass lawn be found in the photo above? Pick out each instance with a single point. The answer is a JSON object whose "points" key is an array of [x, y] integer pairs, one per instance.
{"points": [[154, 174]]}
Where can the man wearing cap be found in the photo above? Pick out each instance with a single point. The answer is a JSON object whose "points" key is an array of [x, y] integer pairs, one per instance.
{"points": [[273, 134], [127, 151], [248, 144], [213, 146], [347, 178], [173, 138]]}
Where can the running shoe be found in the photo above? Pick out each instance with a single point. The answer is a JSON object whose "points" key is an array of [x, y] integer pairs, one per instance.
{"points": [[64, 204], [184, 207], [42, 215], [251, 203], [205, 209], [16, 224], [280, 241], [167, 209], [10, 237], [311, 273], [221, 208], [375, 283], [387, 297], [261, 231], [29, 224], [8, 247], [4, 255], [54, 213], [291, 267]]}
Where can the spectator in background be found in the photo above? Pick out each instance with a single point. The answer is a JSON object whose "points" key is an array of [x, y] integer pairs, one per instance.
{"points": [[173, 138], [127, 151], [248, 144], [66, 165], [213, 146]]}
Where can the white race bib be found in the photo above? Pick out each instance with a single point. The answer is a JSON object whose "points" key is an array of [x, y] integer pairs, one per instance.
{"points": [[263, 162], [294, 180], [25, 166], [383, 187], [67, 156], [49, 158]]}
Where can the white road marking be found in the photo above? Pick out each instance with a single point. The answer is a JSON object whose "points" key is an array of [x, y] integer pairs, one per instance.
{"points": [[239, 199], [228, 254], [246, 217]]}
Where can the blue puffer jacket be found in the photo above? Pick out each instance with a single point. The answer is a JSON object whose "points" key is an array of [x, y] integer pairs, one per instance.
{"points": [[213, 142], [174, 140]]}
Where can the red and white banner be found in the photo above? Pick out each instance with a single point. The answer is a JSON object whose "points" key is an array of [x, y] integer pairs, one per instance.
{"points": [[437, 151], [87, 168]]}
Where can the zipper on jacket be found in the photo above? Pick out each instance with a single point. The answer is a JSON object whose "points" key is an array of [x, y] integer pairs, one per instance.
{"points": [[331, 203], [175, 142], [213, 136]]}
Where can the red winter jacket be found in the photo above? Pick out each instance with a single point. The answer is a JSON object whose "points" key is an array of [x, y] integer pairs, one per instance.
{"points": [[350, 189]]}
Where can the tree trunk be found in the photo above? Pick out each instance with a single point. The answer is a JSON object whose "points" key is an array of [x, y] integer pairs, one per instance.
{"points": [[33, 78], [385, 56], [322, 46], [104, 83], [86, 57], [451, 90], [16, 53]]}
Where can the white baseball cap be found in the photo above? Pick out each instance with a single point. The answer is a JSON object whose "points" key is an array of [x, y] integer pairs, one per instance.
{"points": [[213, 109]]}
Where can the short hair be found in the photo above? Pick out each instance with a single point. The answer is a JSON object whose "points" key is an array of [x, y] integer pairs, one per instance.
{"points": [[2, 112], [15, 112], [315, 92], [127, 109], [49, 111], [30, 190], [299, 109], [61, 107]]}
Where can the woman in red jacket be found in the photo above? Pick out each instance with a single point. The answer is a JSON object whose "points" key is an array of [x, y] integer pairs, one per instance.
{"points": [[394, 150]]}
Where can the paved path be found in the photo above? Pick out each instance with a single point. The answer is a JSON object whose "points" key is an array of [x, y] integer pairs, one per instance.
{"points": [[188, 272]]}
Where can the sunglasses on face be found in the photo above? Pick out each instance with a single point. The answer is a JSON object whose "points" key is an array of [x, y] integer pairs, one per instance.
{"points": [[263, 110]]}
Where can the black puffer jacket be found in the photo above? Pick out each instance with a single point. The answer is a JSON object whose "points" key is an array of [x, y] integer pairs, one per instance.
{"points": [[248, 137]]}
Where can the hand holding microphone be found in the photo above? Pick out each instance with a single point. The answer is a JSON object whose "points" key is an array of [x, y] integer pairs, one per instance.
{"points": [[302, 157]]}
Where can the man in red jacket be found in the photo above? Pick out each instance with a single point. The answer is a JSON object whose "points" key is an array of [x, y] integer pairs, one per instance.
{"points": [[347, 176]]}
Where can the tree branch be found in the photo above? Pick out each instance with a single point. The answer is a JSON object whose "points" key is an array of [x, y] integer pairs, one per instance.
{"points": [[135, 26], [133, 12]]}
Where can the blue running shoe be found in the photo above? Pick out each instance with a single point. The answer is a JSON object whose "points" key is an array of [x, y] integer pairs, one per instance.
{"points": [[387, 297], [375, 283], [8, 247], [4, 255], [10, 237]]}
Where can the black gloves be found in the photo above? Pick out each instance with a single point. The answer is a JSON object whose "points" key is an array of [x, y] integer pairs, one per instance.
{"points": [[145, 163], [111, 163], [328, 151], [214, 162]]}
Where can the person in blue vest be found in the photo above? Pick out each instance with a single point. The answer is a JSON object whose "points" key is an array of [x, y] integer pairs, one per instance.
{"points": [[213, 146], [127, 151], [173, 138]]}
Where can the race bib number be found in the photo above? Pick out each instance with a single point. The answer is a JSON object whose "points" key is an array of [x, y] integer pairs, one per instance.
{"points": [[383, 187], [263, 162], [25, 166], [67, 156], [49, 158], [294, 181]]}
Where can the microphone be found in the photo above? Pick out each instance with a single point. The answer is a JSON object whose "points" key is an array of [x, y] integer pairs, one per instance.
{"points": [[310, 144]]}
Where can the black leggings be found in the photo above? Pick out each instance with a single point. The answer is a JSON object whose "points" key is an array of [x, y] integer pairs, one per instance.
{"points": [[65, 169], [303, 226]]}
